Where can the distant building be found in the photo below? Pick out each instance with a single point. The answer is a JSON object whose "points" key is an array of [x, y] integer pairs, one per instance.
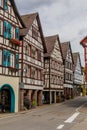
{"points": [[53, 71], [10, 22], [68, 69], [31, 60], [84, 86], [77, 73]]}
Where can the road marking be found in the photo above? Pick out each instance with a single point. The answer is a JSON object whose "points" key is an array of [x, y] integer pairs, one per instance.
{"points": [[60, 127], [81, 107], [72, 118]]}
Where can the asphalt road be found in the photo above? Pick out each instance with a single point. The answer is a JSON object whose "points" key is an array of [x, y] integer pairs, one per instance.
{"points": [[48, 117]]}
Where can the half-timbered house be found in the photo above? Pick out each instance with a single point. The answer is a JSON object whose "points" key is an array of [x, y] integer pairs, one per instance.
{"points": [[53, 71], [77, 73], [68, 69], [31, 60], [10, 22]]}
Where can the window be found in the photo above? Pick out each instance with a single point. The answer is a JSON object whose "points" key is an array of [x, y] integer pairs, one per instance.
{"points": [[0, 57], [16, 61], [7, 30], [12, 58], [1, 2], [39, 55], [34, 54], [27, 49], [12, 32], [5, 4], [39, 74], [28, 70], [6, 58], [17, 34], [1, 27], [33, 72], [35, 33]]}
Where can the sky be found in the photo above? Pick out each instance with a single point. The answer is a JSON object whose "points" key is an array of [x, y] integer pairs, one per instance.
{"points": [[67, 18]]}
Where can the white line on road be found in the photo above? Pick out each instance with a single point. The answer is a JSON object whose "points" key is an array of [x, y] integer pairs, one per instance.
{"points": [[60, 127], [72, 118]]}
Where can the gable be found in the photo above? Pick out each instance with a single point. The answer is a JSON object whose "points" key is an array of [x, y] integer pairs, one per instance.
{"points": [[57, 52], [78, 66], [34, 34], [69, 55], [9, 12]]}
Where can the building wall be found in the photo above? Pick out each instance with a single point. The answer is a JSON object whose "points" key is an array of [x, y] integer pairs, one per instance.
{"points": [[14, 83], [56, 69], [68, 68], [32, 58], [9, 48], [77, 73]]}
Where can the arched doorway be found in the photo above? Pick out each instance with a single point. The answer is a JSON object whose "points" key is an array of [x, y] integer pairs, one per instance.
{"points": [[7, 97]]}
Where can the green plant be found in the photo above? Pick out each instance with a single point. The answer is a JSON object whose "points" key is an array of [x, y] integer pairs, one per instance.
{"points": [[34, 104]]}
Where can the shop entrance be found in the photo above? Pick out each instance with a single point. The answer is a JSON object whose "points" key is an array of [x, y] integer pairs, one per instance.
{"points": [[7, 99]]}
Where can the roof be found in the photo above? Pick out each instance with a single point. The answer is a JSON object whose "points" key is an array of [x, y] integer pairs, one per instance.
{"points": [[16, 12], [28, 21], [84, 41], [50, 43], [75, 58], [65, 46], [76, 55]]}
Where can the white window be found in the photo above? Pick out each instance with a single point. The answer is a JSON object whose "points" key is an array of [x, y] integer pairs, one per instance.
{"points": [[1, 2], [12, 32], [12, 59], [1, 27]]}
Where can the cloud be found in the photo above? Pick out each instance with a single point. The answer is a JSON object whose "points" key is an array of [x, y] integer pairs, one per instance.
{"points": [[64, 17]]}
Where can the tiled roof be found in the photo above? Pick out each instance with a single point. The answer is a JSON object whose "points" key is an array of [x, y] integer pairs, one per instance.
{"points": [[75, 58], [28, 21], [76, 55], [84, 41], [64, 47], [50, 42]]}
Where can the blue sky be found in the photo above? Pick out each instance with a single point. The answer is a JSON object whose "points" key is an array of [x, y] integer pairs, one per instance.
{"points": [[67, 18]]}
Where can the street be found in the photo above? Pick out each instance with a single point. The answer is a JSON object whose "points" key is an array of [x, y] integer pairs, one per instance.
{"points": [[62, 116]]}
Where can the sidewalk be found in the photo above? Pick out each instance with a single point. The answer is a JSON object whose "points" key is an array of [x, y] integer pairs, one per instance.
{"points": [[82, 125]]}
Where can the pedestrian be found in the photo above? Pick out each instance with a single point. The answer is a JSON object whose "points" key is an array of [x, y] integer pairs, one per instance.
{"points": [[43, 99]]}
